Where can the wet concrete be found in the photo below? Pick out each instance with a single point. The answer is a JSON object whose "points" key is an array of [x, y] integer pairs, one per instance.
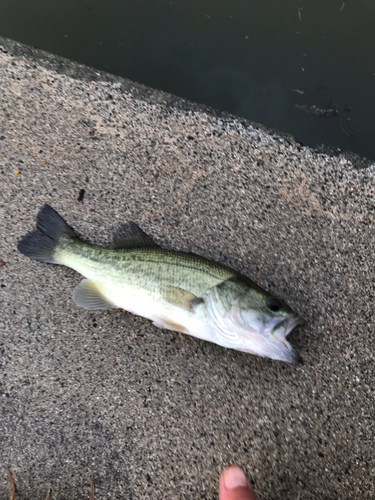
{"points": [[150, 413]]}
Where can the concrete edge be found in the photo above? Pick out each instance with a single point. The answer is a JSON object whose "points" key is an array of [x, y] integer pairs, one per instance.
{"points": [[158, 97]]}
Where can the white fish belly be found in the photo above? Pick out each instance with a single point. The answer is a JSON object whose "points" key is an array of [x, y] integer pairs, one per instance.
{"points": [[163, 314]]}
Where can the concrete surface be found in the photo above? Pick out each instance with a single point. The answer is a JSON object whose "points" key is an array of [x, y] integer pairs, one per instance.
{"points": [[151, 413]]}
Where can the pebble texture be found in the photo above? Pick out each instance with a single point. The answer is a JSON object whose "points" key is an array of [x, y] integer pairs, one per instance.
{"points": [[150, 413]]}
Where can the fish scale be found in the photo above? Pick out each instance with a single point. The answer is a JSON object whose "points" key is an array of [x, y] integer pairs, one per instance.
{"points": [[143, 268]]}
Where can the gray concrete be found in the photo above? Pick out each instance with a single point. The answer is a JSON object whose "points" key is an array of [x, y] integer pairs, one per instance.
{"points": [[151, 413]]}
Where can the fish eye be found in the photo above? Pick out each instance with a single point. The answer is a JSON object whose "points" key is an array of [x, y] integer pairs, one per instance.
{"points": [[273, 304]]}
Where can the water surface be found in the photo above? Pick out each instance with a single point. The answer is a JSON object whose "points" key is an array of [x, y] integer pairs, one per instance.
{"points": [[259, 59]]}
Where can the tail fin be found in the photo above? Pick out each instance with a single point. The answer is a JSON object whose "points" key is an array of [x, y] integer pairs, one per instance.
{"points": [[51, 230]]}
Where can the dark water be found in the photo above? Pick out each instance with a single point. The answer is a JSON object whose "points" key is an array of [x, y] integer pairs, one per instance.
{"points": [[241, 56]]}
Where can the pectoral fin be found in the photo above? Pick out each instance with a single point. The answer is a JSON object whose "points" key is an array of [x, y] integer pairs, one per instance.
{"points": [[88, 295], [179, 297]]}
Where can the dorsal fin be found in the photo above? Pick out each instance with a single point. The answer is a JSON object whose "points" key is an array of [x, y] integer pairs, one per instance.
{"points": [[130, 236]]}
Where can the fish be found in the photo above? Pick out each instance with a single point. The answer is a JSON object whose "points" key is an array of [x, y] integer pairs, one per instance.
{"points": [[177, 291]]}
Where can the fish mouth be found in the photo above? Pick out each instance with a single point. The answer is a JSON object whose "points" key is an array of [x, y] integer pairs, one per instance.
{"points": [[278, 335], [292, 323]]}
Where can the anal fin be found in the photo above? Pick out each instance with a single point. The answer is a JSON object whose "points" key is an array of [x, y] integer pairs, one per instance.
{"points": [[88, 295]]}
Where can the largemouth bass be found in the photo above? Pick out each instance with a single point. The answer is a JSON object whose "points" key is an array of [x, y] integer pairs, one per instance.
{"points": [[177, 291]]}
